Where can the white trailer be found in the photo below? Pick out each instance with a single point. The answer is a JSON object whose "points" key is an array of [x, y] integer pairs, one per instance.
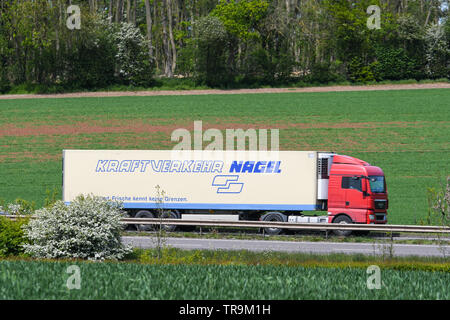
{"points": [[208, 184]]}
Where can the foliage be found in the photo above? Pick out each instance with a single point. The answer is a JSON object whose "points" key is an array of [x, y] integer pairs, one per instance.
{"points": [[133, 61], [87, 228], [210, 63], [359, 72], [87, 58], [267, 42], [18, 207], [326, 72], [240, 18], [395, 64], [276, 258], [437, 56], [47, 280], [12, 236], [439, 205]]}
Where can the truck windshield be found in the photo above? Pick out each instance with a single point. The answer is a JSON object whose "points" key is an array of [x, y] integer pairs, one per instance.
{"points": [[376, 184]]}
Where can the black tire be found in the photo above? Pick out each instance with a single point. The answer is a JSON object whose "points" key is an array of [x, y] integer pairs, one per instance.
{"points": [[167, 214], [144, 214], [344, 220], [273, 216]]}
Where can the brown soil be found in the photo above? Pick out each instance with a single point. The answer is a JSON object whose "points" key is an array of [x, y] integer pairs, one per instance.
{"points": [[136, 126], [238, 91]]}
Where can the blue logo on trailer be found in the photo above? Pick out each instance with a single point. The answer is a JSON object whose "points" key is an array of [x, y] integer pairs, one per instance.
{"points": [[255, 167], [227, 184]]}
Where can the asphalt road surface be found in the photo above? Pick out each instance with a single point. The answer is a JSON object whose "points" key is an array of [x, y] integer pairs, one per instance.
{"points": [[288, 246]]}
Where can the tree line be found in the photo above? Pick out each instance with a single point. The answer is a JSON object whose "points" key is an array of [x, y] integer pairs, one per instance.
{"points": [[221, 43]]}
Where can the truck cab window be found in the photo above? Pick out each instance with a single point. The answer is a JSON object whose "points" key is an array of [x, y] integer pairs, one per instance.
{"points": [[352, 183]]}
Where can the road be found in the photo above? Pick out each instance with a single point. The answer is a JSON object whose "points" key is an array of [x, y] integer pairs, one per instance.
{"points": [[288, 246]]}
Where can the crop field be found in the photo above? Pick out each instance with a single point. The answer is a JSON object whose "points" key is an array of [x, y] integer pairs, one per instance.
{"points": [[405, 132], [47, 280]]}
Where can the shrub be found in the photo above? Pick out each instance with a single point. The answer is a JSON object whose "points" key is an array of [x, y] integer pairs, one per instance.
{"points": [[326, 72], [132, 56], [18, 207], [210, 58], [12, 236], [88, 228], [395, 64], [360, 72], [439, 205]]}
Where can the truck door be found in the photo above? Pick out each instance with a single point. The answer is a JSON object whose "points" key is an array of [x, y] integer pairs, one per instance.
{"points": [[336, 196], [353, 189]]}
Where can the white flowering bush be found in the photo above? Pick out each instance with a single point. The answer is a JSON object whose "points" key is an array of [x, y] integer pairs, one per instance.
{"points": [[438, 51], [19, 207], [87, 228], [132, 56]]}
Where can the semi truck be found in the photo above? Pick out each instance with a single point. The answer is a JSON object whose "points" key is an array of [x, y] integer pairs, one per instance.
{"points": [[285, 186]]}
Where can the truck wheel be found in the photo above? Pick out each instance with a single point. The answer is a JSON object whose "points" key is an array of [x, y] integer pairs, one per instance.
{"points": [[144, 214], [273, 216], [343, 219], [168, 215]]}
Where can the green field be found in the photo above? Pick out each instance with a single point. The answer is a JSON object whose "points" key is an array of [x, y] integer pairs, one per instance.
{"points": [[47, 280], [404, 132]]}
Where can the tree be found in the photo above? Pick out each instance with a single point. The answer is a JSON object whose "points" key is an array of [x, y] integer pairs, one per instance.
{"points": [[132, 56], [210, 35]]}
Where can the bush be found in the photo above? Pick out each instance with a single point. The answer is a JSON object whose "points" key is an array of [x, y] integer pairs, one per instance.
{"points": [[132, 56], [439, 205], [12, 236], [18, 207], [210, 58], [326, 72], [395, 64], [88, 228], [358, 71]]}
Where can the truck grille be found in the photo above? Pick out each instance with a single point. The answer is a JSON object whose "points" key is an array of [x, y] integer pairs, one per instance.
{"points": [[380, 204]]}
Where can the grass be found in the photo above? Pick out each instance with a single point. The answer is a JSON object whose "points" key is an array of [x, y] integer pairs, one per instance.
{"points": [[403, 132], [227, 275], [170, 255]]}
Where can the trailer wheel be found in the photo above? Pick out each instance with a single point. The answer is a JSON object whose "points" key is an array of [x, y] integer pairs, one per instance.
{"points": [[144, 214], [167, 214], [273, 216], [342, 219]]}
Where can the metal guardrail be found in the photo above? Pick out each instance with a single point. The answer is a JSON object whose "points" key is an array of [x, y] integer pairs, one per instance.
{"points": [[289, 225], [283, 225]]}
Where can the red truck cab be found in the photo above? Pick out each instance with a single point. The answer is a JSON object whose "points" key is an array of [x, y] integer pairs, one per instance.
{"points": [[356, 192]]}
